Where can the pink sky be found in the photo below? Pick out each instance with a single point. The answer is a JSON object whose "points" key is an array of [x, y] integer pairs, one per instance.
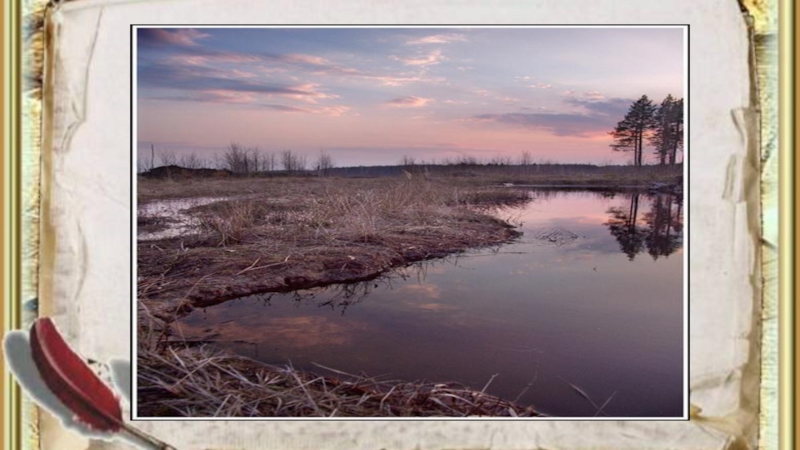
{"points": [[368, 96]]}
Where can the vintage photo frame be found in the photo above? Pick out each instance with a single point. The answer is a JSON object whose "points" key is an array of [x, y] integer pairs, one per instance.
{"points": [[34, 38]]}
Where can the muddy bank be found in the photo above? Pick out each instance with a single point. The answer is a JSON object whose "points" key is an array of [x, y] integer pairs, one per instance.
{"points": [[204, 277], [255, 245]]}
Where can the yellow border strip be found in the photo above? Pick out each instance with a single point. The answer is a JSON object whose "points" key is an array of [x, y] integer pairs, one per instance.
{"points": [[786, 317], [11, 396]]}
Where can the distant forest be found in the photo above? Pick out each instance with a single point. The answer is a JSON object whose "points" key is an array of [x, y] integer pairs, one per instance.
{"points": [[660, 126]]}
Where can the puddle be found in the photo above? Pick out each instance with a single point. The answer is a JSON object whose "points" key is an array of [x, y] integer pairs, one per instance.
{"points": [[171, 217]]}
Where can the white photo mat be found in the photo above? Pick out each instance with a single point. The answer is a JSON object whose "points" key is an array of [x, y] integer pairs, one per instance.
{"points": [[91, 199]]}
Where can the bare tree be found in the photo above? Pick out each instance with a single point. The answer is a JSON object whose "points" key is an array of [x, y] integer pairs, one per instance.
{"points": [[235, 158], [525, 159], [191, 161], [302, 162], [168, 158], [254, 160], [324, 164], [407, 160], [270, 162], [500, 161], [292, 162]]}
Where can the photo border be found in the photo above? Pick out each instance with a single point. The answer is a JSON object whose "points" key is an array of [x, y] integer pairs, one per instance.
{"points": [[686, 277], [789, 365]]}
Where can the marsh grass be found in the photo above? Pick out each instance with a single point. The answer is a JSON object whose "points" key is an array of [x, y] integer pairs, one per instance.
{"points": [[177, 378], [334, 210], [198, 382]]}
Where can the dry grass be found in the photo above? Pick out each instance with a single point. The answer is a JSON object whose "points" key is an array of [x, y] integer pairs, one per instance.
{"points": [[463, 176], [334, 210], [196, 382], [611, 177], [177, 379], [302, 233]]}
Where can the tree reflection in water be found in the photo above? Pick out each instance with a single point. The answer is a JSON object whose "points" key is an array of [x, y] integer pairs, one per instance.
{"points": [[659, 231]]}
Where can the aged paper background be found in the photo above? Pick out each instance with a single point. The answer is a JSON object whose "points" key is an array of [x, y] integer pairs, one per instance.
{"points": [[90, 215]]}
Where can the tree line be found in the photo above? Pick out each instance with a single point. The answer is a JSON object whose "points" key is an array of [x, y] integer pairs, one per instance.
{"points": [[660, 125], [242, 160]]}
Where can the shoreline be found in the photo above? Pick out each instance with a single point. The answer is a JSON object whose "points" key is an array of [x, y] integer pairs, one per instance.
{"points": [[297, 235]]}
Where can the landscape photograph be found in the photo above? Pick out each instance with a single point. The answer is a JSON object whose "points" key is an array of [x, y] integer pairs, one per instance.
{"points": [[410, 222]]}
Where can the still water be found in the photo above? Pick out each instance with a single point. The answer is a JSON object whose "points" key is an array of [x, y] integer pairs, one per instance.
{"points": [[591, 296]]}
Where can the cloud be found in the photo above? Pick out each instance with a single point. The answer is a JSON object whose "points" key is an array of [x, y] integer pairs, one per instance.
{"points": [[334, 111], [398, 80], [575, 125], [527, 79], [434, 57], [408, 102], [612, 107], [310, 92], [209, 79], [594, 95], [599, 116], [306, 59], [207, 84], [438, 39], [284, 108], [184, 37], [198, 56]]}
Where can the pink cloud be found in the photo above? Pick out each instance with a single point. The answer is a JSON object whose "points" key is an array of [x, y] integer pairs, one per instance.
{"points": [[187, 37], [306, 59], [335, 111], [594, 95], [438, 39], [540, 86], [308, 93], [434, 57], [408, 102]]}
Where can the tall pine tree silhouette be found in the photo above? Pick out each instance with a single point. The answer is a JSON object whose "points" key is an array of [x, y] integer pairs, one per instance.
{"points": [[629, 132], [667, 136]]}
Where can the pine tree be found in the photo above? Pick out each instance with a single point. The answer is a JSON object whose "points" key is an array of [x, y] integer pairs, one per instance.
{"points": [[667, 136], [677, 143], [629, 132]]}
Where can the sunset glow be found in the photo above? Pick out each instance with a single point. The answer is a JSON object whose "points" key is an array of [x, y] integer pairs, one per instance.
{"points": [[368, 96]]}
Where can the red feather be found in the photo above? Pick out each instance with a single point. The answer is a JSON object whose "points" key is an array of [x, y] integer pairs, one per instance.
{"points": [[73, 381]]}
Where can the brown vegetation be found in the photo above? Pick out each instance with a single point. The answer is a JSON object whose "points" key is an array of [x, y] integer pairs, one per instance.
{"points": [[195, 382], [289, 234]]}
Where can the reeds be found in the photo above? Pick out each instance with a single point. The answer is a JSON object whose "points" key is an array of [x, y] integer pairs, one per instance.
{"points": [[196, 382], [340, 211]]}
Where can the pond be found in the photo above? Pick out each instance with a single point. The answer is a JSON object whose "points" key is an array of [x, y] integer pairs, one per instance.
{"points": [[588, 302]]}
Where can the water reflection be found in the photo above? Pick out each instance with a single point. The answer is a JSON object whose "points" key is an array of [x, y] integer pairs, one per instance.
{"points": [[564, 302], [662, 234]]}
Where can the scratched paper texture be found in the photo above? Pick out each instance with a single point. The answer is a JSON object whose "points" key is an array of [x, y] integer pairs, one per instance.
{"points": [[89, 211]]}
